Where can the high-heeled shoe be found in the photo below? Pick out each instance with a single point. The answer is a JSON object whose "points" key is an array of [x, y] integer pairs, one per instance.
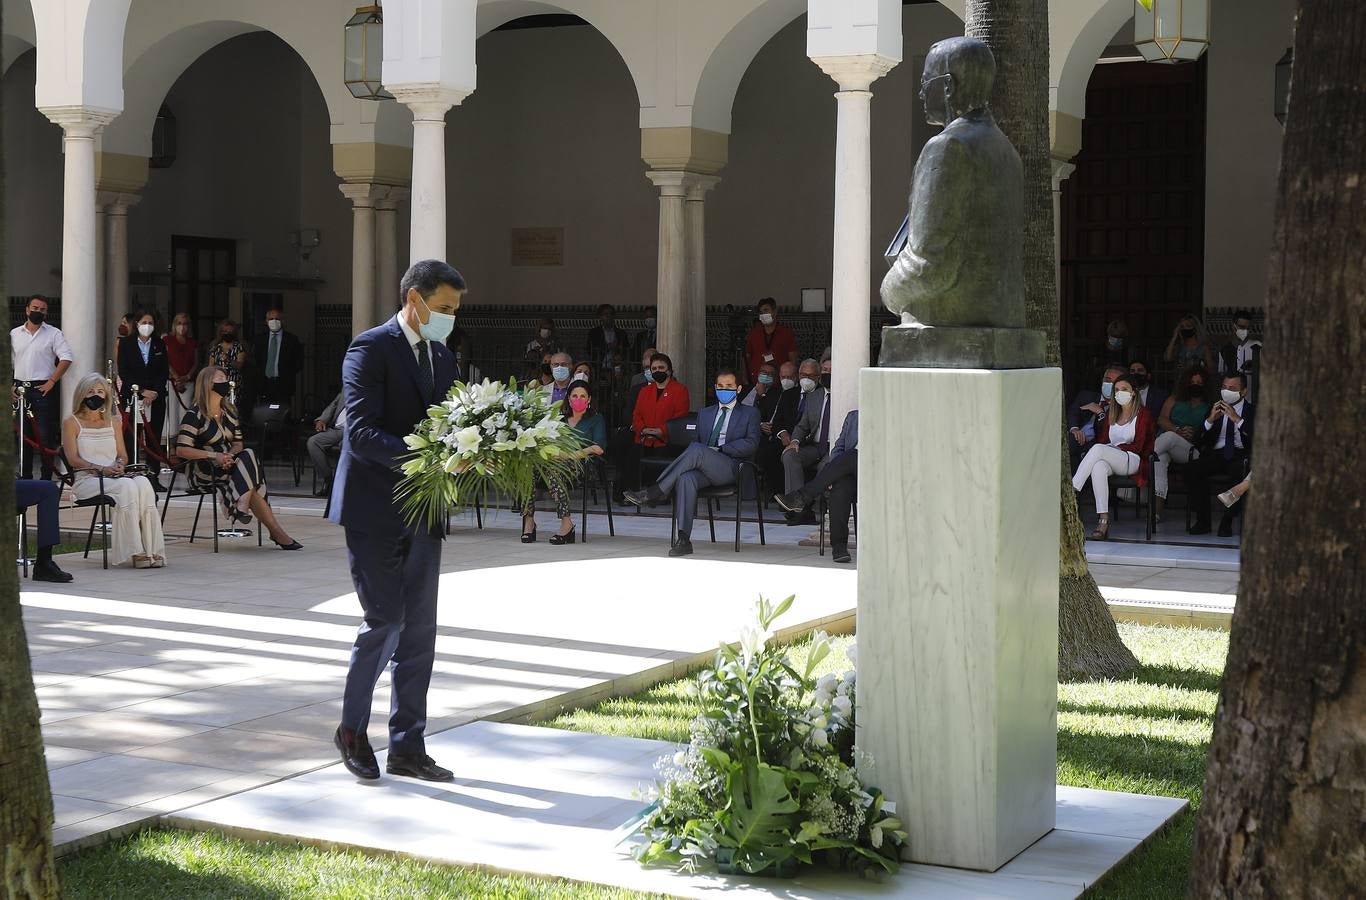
{"points": [[1102, 532], [292, 545], [239, 517], [567, 538], [529, 537]]}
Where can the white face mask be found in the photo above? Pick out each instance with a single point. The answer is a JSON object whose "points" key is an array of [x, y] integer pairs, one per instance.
{"points": [[766, 318], [545, 333], [1240, 333], [788, 383], [145, 329], [808, 385], [274, 324], [1230, 397], [1124, 398]]}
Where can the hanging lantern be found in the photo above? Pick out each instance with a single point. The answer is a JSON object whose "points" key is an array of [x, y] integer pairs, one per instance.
{"points": [[1281, 97], [364, 54], [1171, 31]]}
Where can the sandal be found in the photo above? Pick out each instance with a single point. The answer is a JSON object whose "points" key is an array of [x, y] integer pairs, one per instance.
{"points": [[1102, 532]]}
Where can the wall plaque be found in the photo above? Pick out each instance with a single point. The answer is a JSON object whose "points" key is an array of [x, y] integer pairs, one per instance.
{"points": [[538, 246]]}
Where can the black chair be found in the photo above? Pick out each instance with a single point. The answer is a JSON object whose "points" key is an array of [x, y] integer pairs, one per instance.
{"points": [[218, 489], [712, 494], [98, 504], [682, 431], [598, 466], [275, 418], [1148, 493], [1218, 483]]}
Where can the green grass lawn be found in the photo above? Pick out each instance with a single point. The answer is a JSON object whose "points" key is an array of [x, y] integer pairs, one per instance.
{"points": [[1147, 734]]}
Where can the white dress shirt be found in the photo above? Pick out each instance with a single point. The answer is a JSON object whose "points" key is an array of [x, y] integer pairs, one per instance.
{"points": [[729, 409], [36, 353], [1222, 425], [413, 339]]}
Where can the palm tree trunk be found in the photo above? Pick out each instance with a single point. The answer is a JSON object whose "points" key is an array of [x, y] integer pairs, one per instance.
{"points": [[1017, 32], [27, 870], [1286, 784]]}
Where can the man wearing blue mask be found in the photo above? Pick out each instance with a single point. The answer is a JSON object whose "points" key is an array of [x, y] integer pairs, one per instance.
{"points": [[561, 367], [1086, 409], [727, 434], [390, 375]]}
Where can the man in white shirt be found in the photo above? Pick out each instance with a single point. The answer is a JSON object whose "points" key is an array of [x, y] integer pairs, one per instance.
{"points": [[1240, 353], [1225, 447], [41, 358]]}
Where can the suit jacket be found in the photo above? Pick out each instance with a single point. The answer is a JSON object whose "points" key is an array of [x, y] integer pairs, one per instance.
{"points": [[1156, 398], [808, 428], [1080, 418], [330, 412], [742, 431], [1207, 440], [148, 376], [848, 439], [784, 417], [384, 403], [291, 355]]}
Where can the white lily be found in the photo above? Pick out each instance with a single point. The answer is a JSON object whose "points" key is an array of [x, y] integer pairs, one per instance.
{"points": [[819, 738], [842, 705], [467, 440], [416, 442]]}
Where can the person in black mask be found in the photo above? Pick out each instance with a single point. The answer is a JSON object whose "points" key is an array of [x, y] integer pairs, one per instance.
{"points": [[1151, 396], [661, 399], [1189, 346], [41, 358]]}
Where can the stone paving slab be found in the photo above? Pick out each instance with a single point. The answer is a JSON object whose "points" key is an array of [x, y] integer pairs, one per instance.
{"points": [[551, 803]]}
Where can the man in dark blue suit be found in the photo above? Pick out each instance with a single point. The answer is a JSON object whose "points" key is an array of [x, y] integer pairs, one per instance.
{"points": [[727, 434], [838, 475], [390, 375]]}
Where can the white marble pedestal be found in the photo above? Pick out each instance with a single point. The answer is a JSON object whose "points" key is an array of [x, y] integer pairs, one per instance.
{"points": [[957, 605]]}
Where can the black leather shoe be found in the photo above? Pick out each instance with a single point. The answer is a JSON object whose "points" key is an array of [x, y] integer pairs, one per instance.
{"points": [[356, 755], [322, 492], [841, 556], [1199, 528], [421, 767], [805, 517], [50, 571], [790, 503], [1226, 526], [682, 546]]}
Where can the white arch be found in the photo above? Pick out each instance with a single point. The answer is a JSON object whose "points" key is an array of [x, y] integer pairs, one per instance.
{"points": [[19, 36], [1080, 30]]}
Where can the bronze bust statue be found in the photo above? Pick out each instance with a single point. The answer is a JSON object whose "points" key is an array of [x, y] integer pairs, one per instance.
{"points": [[960, 271]]}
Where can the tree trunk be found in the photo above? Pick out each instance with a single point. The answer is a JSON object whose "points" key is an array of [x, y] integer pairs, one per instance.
{"points": [[27, 869], [1286, 787], [1017, 32]]}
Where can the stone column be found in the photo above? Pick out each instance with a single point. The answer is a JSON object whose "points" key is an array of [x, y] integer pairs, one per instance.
{"points": [[1062, 170], [79, 271], [694, 224], [851, 292], [429, 106], [116, 264], [101, 321], [682, 329], [386, 251], [363, 294]]}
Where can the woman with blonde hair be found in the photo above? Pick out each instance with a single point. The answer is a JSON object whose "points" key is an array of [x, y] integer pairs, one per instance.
{"points": [[1124, 441], [93, 442], [210, 438]]}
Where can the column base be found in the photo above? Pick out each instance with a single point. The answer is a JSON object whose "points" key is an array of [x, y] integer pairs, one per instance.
{"points": [[956, 347]]}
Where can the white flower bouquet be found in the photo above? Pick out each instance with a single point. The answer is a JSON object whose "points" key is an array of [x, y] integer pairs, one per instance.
{"points": [[483, 437], [768, 779]]}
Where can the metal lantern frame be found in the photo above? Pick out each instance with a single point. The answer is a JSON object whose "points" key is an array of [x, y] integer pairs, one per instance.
{"points": [[363, 54], [1171, 31]]}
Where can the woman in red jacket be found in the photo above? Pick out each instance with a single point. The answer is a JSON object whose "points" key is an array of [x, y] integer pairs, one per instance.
{"points": [[1124, 441]]}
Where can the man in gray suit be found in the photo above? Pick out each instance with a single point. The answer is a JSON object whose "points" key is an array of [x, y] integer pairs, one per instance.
{"points": [[327, 437], [839, 475], [809, 440]]}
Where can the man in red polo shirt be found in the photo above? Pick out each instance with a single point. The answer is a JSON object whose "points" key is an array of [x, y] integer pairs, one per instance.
{"points": [[769, 342]]}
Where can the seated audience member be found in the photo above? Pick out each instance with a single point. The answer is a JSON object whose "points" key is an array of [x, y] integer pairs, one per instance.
{"points": [[779, 415], [638, 381], [581, 416], [1124, 439], [657, 404], [45, 495], [1237, 492], [1152, 396], [1086, 410], [328, 429], [808, 442], [751, 394], [1238, 354], [582, 372], [727, 434], [768, 341], [94, 446], [210, 439], [546, 376], [561, 368], [839, 475], [1116, 337], [1225, 445], [1182, 420]]}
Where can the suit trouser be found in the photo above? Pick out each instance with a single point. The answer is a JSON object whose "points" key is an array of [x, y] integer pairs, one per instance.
{"points": [[44, 410], [45, 496], [795, 465], [698, 467], [1199, 473], [840, 477], [396, 579], [318, 445]]}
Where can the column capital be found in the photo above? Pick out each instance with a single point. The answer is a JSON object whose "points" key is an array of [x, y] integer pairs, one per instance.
{"points": [[363, 194], [856, 72], [79, 121], [681, 183], [393, 196], [429, 102], [684, 147], [117, 202], [1062, 170]]}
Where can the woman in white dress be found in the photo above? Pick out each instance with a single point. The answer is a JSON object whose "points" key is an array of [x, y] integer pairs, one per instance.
{"points": [[93, 440]]}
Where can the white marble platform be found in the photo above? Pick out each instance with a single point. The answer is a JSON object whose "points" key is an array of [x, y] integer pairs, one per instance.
{"points": [[546, 802]]}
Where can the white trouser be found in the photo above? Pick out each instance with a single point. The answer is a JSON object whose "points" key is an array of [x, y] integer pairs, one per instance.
{"points": [[1169, 446], [135, 520], [1099, 463]]}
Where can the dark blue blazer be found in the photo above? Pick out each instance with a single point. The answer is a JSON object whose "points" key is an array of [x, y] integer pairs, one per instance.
{"points": [[383, 405], [742, 438]]}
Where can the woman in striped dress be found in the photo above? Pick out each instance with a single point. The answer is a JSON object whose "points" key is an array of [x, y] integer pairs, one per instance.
{"points": [[210, 438]]}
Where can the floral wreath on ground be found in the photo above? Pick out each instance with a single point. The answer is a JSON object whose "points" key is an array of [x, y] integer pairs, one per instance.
{"points": [[768, 779]]}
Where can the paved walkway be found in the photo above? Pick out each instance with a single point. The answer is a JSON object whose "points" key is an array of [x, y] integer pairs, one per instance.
{"points": [[162, 689]]}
